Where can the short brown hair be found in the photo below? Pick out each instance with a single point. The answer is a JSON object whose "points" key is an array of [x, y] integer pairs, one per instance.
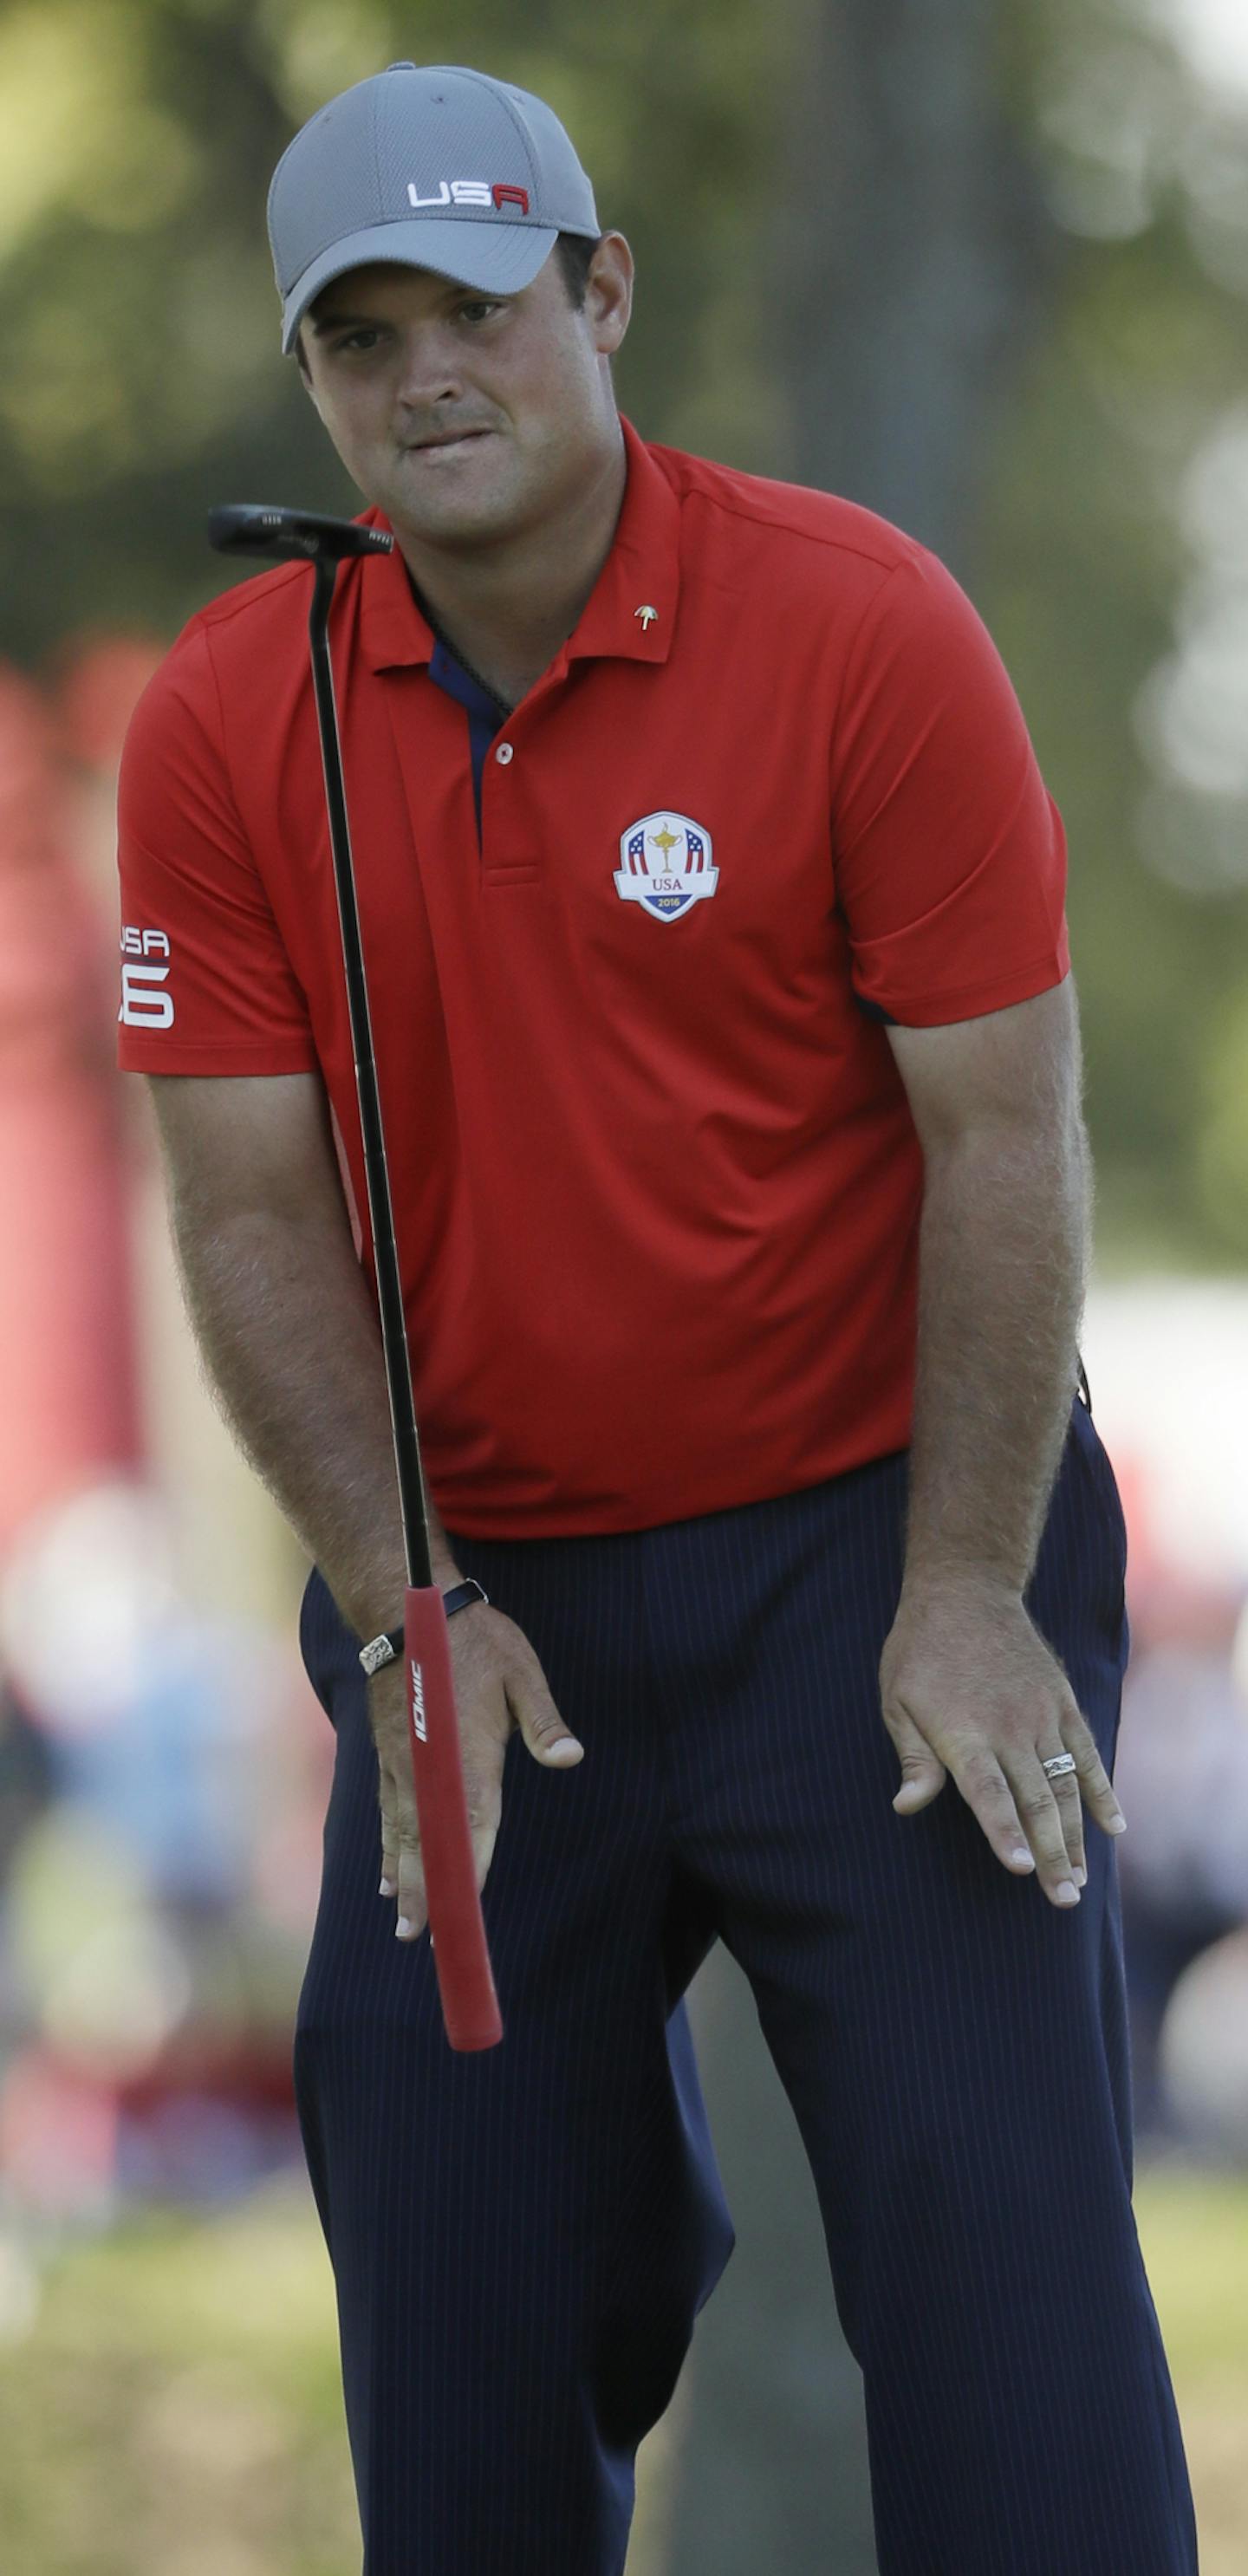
{"points": [[574, 251]]}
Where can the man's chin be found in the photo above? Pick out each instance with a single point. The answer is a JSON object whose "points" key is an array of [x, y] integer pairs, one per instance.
{"points": [[464, 516], [469, 468]]}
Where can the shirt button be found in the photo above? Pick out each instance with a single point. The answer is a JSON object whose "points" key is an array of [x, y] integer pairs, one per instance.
{"points": [[503, 754]]}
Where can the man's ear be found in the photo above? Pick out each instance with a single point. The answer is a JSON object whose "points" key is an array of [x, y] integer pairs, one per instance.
{"points": [[609, 292]]}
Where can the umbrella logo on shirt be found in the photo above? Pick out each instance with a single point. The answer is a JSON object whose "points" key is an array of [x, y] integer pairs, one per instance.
{"points": [[665, 863]]}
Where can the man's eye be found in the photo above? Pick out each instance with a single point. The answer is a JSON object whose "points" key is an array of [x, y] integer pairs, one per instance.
{"points": [[362, 339], [478, 309]]}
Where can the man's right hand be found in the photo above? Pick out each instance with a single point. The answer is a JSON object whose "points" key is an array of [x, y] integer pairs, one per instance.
{"points": [[499, 1685]]}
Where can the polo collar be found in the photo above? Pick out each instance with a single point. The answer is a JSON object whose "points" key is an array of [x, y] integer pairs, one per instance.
{"points": [[630, 614]]}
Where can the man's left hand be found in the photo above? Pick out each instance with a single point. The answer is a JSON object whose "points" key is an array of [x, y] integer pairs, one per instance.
{"points": [[969, 1686]]}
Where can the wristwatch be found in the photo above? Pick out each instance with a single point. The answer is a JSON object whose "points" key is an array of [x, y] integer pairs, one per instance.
{"points": [[386, 1648]]}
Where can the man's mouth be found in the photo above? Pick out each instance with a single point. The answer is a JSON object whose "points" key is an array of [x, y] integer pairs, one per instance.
{"points": [[447, 441]]}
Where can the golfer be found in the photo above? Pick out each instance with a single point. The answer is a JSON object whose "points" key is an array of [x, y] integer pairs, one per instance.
{"points": [[712, 906]]}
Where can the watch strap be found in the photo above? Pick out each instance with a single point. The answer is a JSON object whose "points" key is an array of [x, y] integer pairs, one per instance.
{"points": [[389, 1646]]}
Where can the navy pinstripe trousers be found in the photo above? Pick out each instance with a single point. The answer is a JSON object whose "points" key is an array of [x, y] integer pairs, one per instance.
{"points": [[521, 2240]]}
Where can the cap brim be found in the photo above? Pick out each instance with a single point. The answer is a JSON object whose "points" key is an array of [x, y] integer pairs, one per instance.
{"points": [[496, 259]]}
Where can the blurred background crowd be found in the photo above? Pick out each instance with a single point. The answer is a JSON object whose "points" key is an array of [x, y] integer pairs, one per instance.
{"points": [[984, 268]]}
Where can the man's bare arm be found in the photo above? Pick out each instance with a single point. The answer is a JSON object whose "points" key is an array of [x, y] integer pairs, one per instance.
{"points": [[1004, 1251], [292, 1345], [968, 1684], [284, 1321]]}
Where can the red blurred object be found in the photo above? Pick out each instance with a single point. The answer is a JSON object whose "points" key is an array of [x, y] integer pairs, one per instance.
{"points": [[101, 680], [245, 2072], [69, 1400], [58, 2133]]}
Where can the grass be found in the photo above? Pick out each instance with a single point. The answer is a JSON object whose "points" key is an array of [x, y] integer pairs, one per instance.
{"points": [[176, 2408], [173, 2407], [1194, 2231]]}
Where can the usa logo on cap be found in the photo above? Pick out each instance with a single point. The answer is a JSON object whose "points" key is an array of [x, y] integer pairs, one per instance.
{"points": [[665, 863]]}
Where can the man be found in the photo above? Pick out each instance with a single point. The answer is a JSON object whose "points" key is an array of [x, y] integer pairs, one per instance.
{"points": [[713, 913]]}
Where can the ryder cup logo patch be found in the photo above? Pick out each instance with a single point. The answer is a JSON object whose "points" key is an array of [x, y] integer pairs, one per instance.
{"points": [[665, 863]]}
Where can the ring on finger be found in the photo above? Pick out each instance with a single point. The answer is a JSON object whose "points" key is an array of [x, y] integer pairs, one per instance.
{"points": [[1059, 1766]]}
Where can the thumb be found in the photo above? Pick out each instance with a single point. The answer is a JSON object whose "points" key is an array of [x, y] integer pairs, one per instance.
{"points": [[922, 1771], [548, 1739]]}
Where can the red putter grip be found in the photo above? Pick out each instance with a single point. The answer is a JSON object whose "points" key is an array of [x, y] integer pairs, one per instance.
{"points": [[461, 1956]]}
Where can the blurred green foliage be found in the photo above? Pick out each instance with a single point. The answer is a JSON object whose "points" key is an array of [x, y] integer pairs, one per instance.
{"points": [[143, 379], [178, 2407], [142, 382], [176, 2410]]}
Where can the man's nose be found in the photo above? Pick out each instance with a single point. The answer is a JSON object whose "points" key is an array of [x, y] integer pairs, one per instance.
{"points": [[430, 370]]}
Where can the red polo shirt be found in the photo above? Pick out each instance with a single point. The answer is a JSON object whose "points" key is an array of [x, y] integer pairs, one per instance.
{"points": [[657, 1186]]}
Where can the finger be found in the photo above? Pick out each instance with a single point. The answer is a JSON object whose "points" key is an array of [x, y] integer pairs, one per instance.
{"points": [[389, 1835], [399, 1801], [982, 1782], [538, 1719], [1065, 1793], [387, 1717], [483, 1801], [1042, 1825], [483, 1797], [922, 1771], [413, 1903], [1094, 1781], [483, 1853], [401, 1872]]}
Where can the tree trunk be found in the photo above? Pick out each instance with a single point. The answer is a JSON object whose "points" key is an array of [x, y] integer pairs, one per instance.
{"points": [[912, 248]]}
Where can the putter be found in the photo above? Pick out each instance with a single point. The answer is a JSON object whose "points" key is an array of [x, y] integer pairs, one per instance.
{"points": [[457, 1930]]}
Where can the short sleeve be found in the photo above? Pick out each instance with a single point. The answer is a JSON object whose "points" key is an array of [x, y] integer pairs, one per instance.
{"points": [[206, 983], [950, 853]]}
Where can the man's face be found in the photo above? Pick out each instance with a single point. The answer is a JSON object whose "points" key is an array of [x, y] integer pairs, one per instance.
{"points": [[468, 418]]}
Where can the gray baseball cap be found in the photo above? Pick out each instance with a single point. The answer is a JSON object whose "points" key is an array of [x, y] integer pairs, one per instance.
{"points": [[430, 166]]}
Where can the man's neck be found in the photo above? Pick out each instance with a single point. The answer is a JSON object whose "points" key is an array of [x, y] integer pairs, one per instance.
{"points": [[507, 609]]}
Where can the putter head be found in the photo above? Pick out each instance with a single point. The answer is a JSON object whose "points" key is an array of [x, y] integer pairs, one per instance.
{"points": [[250, 528]]}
